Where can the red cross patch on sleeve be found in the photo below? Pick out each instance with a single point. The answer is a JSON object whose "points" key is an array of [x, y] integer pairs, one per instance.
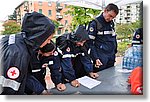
{"points": [[55, 53], [13, 72], [68, 49]]}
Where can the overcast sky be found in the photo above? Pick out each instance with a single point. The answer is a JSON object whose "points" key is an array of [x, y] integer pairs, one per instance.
{"points": [[7, 7]]}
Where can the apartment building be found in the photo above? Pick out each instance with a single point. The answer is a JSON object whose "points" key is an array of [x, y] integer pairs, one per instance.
{"points": [[128, 13], [50, 9]]}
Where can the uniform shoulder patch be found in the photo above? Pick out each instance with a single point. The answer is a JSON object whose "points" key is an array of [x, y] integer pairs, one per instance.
{"points": [[55, 53], [137, 36], [68, 49], [91, 29], [13, 72]]}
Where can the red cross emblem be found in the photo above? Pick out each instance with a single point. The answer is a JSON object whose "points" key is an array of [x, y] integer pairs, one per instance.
{"points": [[68, 49], [13, 73], [138, 36], [55, 53]]}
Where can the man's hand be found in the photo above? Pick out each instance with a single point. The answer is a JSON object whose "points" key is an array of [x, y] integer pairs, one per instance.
{"points": [[93, 75], [61, 87], [98, 63], [44, 65], [75, 83]]}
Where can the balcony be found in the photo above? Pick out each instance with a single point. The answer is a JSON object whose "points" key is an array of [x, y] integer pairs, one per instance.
{"points": [[128, 10], [26, 9], [60, 26], [59, 7], [127, 18], [59, 16]]}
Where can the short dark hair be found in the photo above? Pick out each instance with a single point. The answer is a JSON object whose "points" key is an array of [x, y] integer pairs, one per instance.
{"points": [[48, 47], [112, 7]]}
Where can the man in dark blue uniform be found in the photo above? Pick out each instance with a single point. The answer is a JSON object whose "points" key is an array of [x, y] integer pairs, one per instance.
{"points": [[133, 56], [71, 49], [16, 51], [138, 37], [103, 42], [45, 58]]}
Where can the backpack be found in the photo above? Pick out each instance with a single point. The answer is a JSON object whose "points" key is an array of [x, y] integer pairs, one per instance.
{"points": [[98, 24]]}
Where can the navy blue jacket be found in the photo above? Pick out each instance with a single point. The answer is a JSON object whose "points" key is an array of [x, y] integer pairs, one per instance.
{"points": [[138, 37], [53, 62], [16, 51], [103, 40], [70, 51]]}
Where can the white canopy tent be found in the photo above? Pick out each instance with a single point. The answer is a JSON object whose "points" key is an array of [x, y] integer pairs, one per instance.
{"points": [[96, 4]]}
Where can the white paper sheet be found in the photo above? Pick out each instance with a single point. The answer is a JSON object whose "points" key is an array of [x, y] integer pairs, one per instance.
{"points": [[88, 82]]}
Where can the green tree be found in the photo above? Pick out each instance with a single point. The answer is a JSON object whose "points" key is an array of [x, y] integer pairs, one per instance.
{"points": [[81, 15], [11, 27], [13, 16], [56, 24], [125, 31], [136, 24]]}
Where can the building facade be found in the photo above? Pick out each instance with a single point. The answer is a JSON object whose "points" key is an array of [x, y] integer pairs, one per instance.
{"points": [[54, 11], [128, 13], [1, 27]]}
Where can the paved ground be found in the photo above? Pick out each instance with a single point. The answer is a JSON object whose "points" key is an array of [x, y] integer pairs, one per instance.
{"points": [[118, 60]]}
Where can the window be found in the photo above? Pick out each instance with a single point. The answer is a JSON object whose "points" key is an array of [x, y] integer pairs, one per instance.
{"points": [[66, 22], [66, 31], [49, 12], [40, 10], [58, 4], [65, 14], [65, 5], [40, 3], [58, 12], [49, 3], [59, 31], [128, 6]]}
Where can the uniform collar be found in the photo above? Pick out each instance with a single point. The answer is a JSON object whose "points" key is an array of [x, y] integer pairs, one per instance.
{"points": [[102, 19]]}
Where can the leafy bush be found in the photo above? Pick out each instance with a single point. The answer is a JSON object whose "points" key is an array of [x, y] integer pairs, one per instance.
{"points": [[122, 47], [11, 27]]}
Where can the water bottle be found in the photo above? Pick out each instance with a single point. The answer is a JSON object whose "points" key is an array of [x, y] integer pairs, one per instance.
{"points": [[135, 52], [132, 63], [136, 62], [140, 62], [128, 63], [124, 62]]}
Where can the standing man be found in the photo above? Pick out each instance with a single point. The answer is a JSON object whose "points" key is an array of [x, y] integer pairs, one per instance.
{"points": [[17, 49], [102, 35]]}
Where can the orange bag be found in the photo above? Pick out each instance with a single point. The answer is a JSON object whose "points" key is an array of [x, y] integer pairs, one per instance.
{"points": [[136, 81]]}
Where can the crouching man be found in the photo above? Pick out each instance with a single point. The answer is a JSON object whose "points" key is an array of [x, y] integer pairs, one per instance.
{"points": [[74, 58]]}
